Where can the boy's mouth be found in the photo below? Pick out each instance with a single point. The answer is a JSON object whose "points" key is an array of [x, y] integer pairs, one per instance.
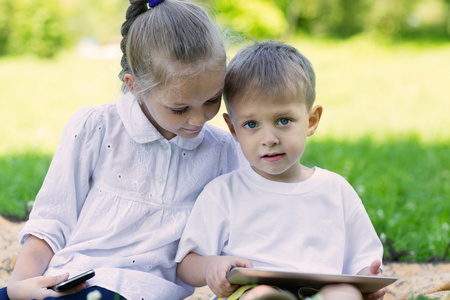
{"points": [[273, 157]]}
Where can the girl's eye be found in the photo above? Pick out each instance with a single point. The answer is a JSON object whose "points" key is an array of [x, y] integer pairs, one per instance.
{"points": [[284, 121], [215, 100], [250, 125], [179, 111]]}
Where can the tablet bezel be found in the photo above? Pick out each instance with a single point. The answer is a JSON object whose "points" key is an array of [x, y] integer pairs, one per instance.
{"points": [[366, 284]]}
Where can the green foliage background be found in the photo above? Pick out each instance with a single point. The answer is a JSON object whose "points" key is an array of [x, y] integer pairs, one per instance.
{"points": [[45, 27], [383, 19], [31, 26]]}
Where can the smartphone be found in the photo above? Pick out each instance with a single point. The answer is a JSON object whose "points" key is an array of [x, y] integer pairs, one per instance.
{"points": [[74, 281]]}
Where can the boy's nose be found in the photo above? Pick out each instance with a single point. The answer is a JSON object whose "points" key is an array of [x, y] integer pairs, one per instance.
{"points": [[269, 138]]}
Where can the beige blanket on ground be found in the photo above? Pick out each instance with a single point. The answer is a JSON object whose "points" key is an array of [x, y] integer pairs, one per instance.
{"points": [[431, 280]]}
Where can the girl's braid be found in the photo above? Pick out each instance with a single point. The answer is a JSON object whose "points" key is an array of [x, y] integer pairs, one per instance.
{"points": [[136, 8]]}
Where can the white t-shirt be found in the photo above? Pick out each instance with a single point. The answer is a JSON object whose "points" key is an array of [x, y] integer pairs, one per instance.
{"points": [[318, 225], [118, 194]]}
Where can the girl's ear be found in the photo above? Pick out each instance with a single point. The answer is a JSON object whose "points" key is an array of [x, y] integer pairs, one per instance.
{"points": [[314, 118], [130, 81], [227, 119]]}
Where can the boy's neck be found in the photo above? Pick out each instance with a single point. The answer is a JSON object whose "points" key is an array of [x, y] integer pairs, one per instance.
{"points": [[293, 175]]}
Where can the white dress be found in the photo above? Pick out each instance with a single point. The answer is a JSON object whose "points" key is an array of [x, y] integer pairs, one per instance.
{"points": [[318, 225], [117, 196]]}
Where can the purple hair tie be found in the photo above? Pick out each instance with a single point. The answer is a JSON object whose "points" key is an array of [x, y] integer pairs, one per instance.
{"points": [[153, 3]]}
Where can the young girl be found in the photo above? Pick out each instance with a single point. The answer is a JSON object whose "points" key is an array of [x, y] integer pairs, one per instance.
{"points": [[126, 175]]}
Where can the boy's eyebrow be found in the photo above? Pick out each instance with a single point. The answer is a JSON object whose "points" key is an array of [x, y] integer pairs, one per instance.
{"points": [[254, 115], [278, 113], [246, 116]]}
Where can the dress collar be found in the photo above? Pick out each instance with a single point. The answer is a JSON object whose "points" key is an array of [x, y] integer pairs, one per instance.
{"points": [[142, 130]]}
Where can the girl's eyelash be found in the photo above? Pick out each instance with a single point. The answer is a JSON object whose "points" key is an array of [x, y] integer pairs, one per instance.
{"points": [[182, 111], [215, 100], [179, 111]]}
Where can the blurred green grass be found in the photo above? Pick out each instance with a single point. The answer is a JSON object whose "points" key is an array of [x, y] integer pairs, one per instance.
{"points": [[381, 91], [38, 97], [403, 184], [366, 90], [385, 128]]}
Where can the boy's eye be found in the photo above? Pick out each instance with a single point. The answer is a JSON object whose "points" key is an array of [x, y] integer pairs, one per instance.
{"points": [[284, 121], [250, 125]]}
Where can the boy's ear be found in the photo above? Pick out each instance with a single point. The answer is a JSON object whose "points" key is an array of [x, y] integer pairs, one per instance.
{"points": [[314, 119], [227, 119]]}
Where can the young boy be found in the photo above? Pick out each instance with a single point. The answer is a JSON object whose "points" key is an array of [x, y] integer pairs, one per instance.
{"points": [[276, 213]]}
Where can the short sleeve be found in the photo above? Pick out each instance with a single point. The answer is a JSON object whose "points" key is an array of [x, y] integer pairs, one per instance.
{"points": [[207, 229], [62, 195], [362, 243]]}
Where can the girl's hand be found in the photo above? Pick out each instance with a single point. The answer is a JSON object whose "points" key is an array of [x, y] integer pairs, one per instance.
{"points": [[38, 287], [217, 271], [373, 270]]}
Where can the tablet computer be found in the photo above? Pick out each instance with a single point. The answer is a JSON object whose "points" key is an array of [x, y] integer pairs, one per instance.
{"points": [[366, 284]]}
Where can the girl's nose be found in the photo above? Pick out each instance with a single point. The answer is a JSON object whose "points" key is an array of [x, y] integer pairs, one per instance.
{"points": [[197, 117]]}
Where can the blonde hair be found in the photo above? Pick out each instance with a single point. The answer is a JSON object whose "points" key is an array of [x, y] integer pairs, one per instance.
{"points": [[270, 68], [175, 38]]}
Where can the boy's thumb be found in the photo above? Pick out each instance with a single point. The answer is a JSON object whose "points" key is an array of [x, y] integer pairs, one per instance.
{"points": [[247, 264], [374, 268]]}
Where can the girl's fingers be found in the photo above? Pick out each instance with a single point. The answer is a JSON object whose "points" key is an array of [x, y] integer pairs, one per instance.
{"points": [[50, 281]]}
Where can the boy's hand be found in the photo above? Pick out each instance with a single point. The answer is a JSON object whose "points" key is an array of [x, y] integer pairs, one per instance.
{"points": [[216, 274], [373, 270], [38, 287], [340, 291]]}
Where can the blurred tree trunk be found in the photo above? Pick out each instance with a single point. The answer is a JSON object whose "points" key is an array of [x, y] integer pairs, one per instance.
{"points": [[448, 16], [292, 13]]}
